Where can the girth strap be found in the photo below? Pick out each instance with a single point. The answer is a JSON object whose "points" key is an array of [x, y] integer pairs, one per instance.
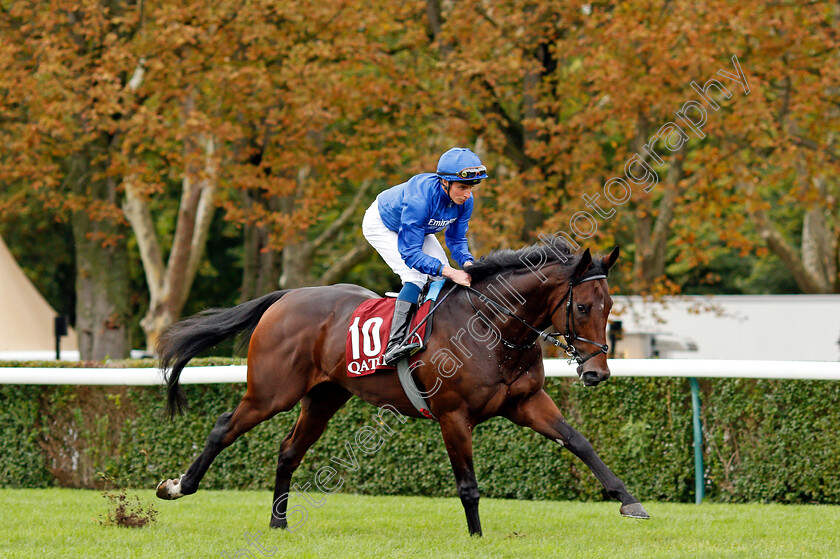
{"points": [[404, 370], [411, 390]]}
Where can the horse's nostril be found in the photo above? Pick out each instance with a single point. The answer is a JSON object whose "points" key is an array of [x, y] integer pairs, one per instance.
{"points": [[590, 378]]}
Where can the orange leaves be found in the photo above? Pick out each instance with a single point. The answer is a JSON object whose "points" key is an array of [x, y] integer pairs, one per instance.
{"points": [[557, 97]]}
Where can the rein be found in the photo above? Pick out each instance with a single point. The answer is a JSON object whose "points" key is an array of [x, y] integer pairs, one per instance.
{"points": [[431, 312], [570, 335]]}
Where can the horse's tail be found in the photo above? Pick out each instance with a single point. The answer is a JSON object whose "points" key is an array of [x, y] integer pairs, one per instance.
{"points": [[186, 339]]}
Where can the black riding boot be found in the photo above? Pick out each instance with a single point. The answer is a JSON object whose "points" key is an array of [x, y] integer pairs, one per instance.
{"points": [[400, 326]]}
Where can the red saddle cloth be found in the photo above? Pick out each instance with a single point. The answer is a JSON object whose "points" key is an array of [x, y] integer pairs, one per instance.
{"points": [[367, 334]]}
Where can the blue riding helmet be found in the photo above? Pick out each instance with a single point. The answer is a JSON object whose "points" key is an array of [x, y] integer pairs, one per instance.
{"points": [[461, 165]]}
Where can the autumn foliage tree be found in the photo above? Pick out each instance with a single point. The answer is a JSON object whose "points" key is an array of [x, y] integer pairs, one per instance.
{"points": [[681, 130], [62, 74], [571, 98], [274, 112]]}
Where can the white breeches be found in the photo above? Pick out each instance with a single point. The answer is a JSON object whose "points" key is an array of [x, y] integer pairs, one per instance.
{"points": [[385, 242]]}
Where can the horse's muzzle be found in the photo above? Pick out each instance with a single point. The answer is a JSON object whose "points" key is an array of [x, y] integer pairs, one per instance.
{"points": [[590, 378]]}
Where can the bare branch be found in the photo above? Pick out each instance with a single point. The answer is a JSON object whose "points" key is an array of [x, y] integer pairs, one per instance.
{"points": [[662, 225], [777, 243], [137, 77], [206, 208], [140, 218], [334, 227], [349, 259], [814, 146]]}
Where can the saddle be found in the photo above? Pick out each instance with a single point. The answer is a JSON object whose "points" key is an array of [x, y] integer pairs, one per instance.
{"points": [[367, 333]]}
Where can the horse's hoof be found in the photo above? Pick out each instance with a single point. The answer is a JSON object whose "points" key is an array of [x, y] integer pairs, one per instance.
{"points": [[634, 510], [169, 489], [277, 523]]}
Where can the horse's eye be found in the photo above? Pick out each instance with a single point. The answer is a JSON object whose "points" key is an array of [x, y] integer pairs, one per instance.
{"points": [[581, 308]]}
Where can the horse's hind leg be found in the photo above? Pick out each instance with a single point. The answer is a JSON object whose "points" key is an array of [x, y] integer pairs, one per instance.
{"points": [[251, 411], [317, 407], [229, 427]]}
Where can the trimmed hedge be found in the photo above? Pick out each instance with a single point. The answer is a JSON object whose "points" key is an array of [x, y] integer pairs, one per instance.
{"points": [[764, 441]]}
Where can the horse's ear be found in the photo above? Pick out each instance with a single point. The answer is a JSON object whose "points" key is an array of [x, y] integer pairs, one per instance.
{"points": [[611, 258], [583, 264]]}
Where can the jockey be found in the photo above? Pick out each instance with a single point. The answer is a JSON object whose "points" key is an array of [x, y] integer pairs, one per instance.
{"points": [[401, 225]]}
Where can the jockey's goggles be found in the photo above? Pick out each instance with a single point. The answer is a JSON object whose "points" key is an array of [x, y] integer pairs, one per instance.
{"points": [[472, 172]]}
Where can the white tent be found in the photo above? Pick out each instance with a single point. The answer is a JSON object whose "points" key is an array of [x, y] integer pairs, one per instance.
{"points": [[26, 319]]}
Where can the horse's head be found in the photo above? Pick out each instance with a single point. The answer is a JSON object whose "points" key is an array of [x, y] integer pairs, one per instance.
{"points": [[585, 311]]}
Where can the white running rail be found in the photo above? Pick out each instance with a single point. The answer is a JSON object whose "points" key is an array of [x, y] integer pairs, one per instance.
{"points": [[699, 368]]}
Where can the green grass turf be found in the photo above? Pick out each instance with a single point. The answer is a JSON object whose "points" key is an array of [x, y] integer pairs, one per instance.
{"points": [[47, 523]]}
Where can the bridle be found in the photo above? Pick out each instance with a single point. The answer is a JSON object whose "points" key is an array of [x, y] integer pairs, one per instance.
{"points": [[570, 335]]}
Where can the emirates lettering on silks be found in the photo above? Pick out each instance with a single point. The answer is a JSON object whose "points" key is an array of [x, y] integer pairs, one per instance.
{"points": [[441, 223]]}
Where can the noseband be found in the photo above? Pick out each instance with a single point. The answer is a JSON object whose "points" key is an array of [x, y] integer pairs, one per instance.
{"points": [[570, 335]]}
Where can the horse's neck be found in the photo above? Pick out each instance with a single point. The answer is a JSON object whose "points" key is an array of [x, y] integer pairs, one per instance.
{"points": [[524, 294], [538, 295]]}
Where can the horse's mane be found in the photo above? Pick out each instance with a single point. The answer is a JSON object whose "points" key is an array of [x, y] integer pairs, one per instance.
{"points": [[507, 260]]}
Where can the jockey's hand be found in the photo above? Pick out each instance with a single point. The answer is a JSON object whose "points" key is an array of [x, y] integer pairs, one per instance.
{"points": [[458, 276]]}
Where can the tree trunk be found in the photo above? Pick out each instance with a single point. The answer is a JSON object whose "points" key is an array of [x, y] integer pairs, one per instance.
{"points": [[297, 263], [102, 288], [813, 266], [533, 217], [195, 215], [435, 19], [818, 246], [261, 264], [652, 233], [297, 253], [170, 286]]}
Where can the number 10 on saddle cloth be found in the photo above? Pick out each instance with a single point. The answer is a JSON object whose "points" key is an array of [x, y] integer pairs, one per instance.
{"points": [[367, 334]]}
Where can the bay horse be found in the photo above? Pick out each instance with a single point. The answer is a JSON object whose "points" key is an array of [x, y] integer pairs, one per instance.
{"points": [[296, 354]]}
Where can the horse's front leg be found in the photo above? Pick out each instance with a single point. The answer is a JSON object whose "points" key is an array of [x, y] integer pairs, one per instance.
{"points": [[540, 413], [457, 436]]}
